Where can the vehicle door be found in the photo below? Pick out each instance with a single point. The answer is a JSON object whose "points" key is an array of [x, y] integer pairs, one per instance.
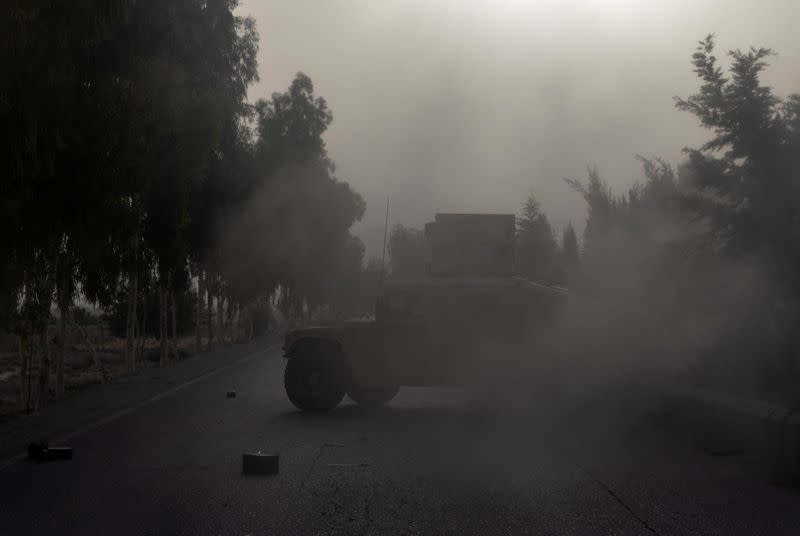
{"points": [[405, 328]]}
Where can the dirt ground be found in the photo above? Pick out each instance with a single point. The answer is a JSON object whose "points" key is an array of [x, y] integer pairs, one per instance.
{"points": [[81, 371]]}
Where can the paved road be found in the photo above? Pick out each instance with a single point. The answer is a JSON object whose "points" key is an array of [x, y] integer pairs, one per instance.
{"points": [[435, 462]]}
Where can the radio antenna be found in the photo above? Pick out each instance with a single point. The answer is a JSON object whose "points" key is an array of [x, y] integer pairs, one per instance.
{"points": [[385, 231]]}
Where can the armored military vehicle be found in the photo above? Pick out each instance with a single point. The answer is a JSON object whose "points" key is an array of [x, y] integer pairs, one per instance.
{"points": [[468, 317]]}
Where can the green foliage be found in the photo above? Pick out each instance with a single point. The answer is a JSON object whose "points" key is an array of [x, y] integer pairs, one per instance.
{"points": [[128, 127], [52, 110], [718, 239], [647, 207], [291, 125], [290, 226], [749, 193], [745, 184]]}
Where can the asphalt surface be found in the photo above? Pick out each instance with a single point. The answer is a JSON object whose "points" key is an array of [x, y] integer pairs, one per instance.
{"points": [[433, 462]]}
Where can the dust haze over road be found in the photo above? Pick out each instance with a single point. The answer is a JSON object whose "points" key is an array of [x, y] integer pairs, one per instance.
{"points": [[432, 463], [469, 106]]}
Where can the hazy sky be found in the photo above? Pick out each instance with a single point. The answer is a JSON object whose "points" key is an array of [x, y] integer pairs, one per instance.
{"points": [[470, 105]]}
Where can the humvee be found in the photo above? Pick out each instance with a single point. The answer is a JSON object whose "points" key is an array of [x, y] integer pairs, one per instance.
{"points": [[468, 318], [428, 332]]}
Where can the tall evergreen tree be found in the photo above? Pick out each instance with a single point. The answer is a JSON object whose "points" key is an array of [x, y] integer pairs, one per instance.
{"points": [[569, 246], [537, 248]]}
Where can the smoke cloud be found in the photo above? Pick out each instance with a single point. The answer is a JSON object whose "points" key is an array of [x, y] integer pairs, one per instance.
{"points": [[469, 106]]}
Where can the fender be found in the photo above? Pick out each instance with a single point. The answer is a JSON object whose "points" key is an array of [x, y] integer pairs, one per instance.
{"points": [[355, 343], [326, 334]]}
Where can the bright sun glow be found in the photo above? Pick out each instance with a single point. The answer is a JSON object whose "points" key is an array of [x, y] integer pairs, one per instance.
{"points": [[547, 5], [556, 10]]}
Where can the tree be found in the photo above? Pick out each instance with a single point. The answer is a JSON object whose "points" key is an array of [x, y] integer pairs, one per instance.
{"points": [[343, 298], [290, 228], [749, 194], [128, 127], [184, 94], [53, 107], [228, 180], [371, 281], [647, 207], [745, 183], [291, 126], [637, 238], [570, 255], [536, 245], [569, 245]]}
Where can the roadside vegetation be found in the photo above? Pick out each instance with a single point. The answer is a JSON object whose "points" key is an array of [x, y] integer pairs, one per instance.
{"points": [[711, 249], [695, 270], [147, 200], [139, 183]]}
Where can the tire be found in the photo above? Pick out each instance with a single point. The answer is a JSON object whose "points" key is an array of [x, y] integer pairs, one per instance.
{"points": [[372, 397], [313, 378]]}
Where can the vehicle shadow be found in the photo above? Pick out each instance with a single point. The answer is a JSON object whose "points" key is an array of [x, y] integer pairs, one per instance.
{"points": [[353, 412], [400, 415]]}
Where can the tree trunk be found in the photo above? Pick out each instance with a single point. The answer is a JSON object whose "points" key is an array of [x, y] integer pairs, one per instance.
{"points": [[162, 321], [44, 368], [220, 319], [174, 325], [233, 316], [130, 349], [43, 322], [198, 311], [137, 334], [64, 293], [235, 322], [143, 325], [229, 320], [133, 297], [95, 356], [24, 373], [226, 330], [209, 310], [62, 346]]}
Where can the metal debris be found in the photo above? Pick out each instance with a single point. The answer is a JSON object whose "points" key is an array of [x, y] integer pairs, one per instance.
{"points": [[260, 463], [40, 451]]}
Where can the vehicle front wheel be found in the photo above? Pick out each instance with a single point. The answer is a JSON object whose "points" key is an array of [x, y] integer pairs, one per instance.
{"points": [[372, 397], [313, 381]]}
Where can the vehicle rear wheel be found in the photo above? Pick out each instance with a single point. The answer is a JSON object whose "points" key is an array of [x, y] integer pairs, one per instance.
{"points": [[372, 396], [313, 379]]}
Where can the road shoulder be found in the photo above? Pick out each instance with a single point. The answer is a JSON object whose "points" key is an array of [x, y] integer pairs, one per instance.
{"points": [[99, 405]]}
